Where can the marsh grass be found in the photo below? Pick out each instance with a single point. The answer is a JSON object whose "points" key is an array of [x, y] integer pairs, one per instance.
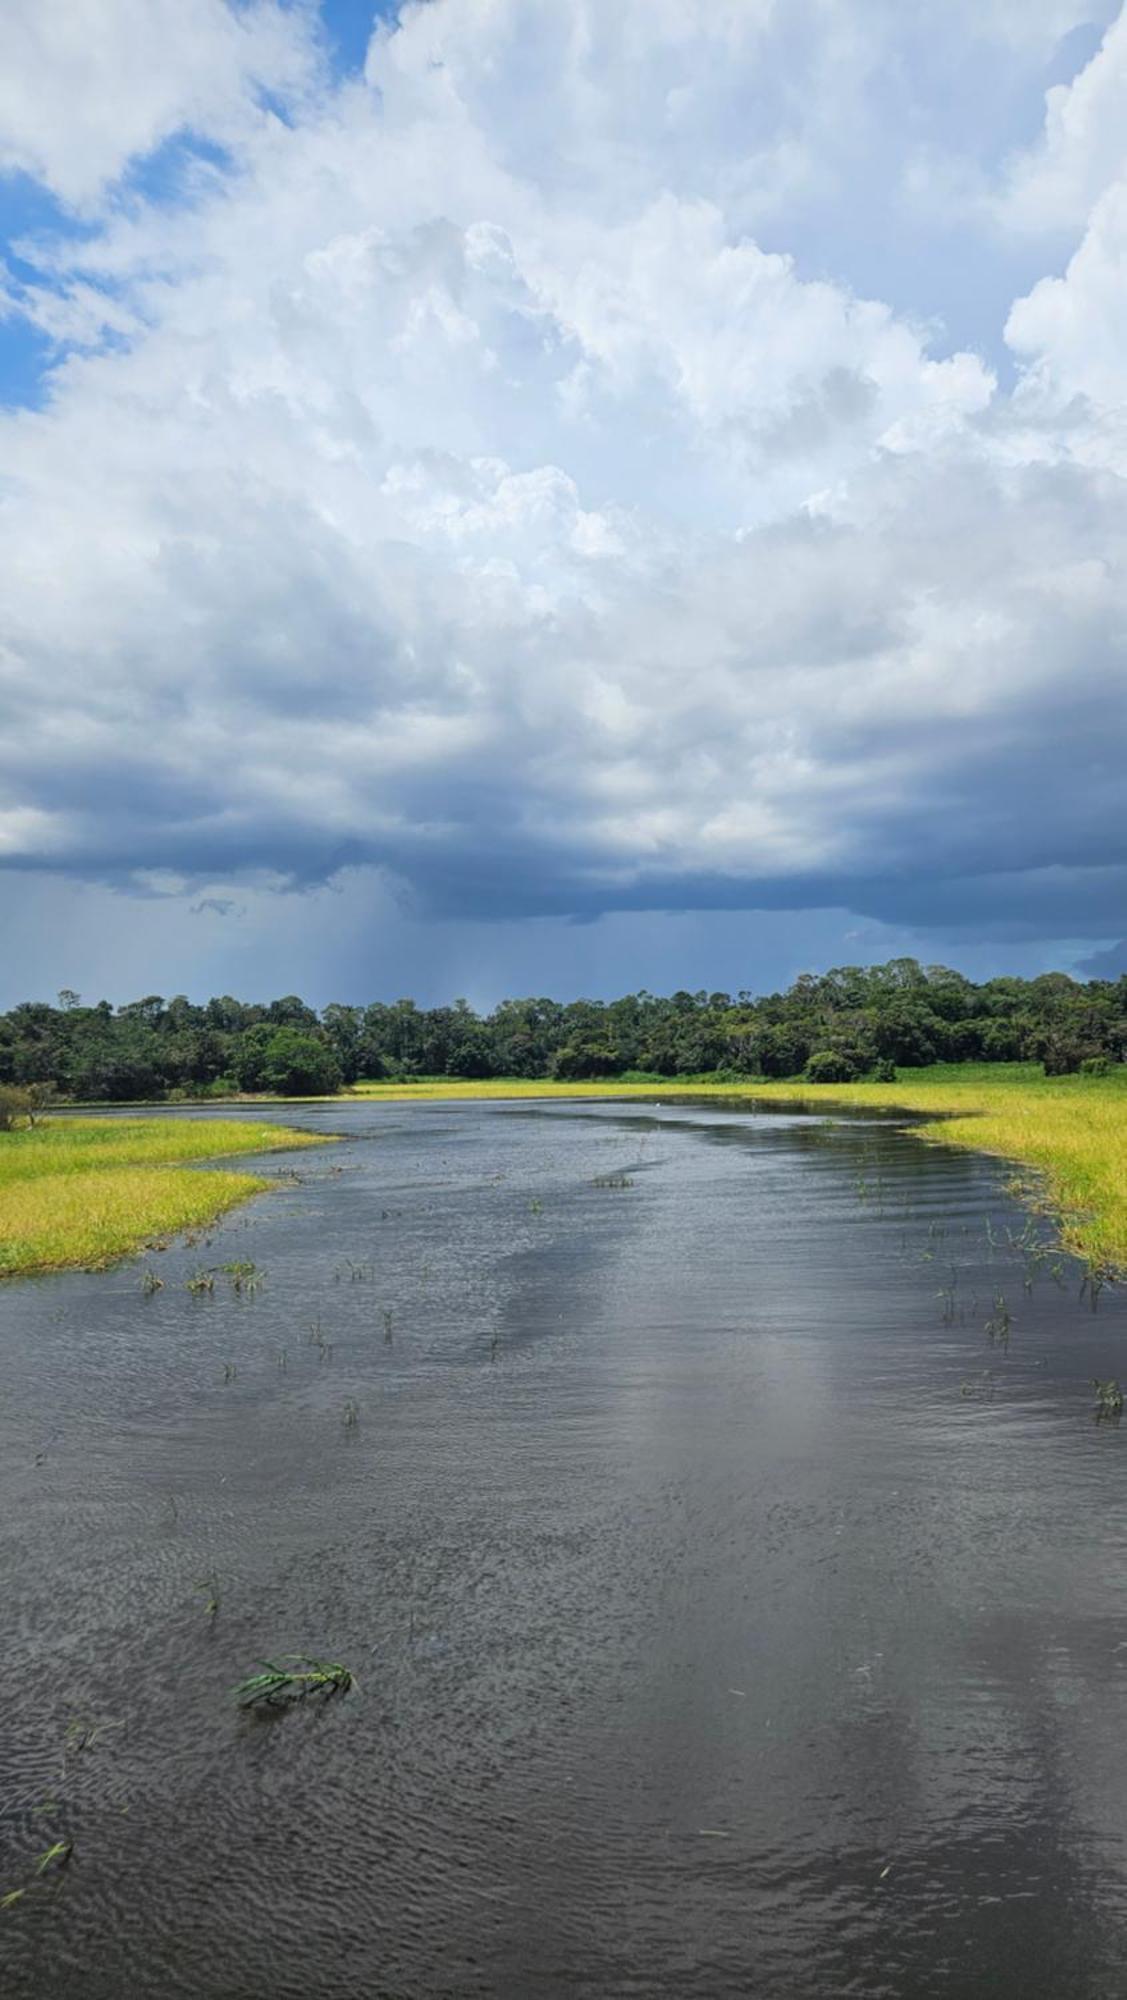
{"points": [[295, 1682], [209, 1585], [56, 1856], [1000, 1323], [1109, 1399], [87, 1191], [51, 1862], [245, 1277]]}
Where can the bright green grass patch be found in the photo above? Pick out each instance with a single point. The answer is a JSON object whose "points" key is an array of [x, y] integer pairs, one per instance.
{"points": [[85, 1191], [76, 1145], [1071, 1130]]}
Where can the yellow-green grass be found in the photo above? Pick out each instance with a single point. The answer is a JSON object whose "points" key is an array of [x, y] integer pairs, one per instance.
{"points": [[1072, 1131], [86, 1191]]}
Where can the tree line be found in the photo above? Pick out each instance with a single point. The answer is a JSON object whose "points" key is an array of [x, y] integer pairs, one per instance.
{"points": [[836, 1026]]}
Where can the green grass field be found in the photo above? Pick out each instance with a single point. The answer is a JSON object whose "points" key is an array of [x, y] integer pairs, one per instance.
{"points": [[1071, 1131], [85, 1191]]}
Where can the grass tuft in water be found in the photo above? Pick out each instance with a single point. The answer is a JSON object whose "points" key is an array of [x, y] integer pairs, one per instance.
{"points": [[1109, 1398], [56, 1856], [245, 1277], [303, 1677], [209, 1585], [1000, 1322]]}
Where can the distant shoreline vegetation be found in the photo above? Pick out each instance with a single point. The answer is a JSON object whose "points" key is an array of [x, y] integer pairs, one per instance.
{"points": [[838, 1027]]}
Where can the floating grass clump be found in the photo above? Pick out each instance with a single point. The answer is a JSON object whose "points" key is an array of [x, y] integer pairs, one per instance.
{"points": [[295, 1682], [86, 1191]]}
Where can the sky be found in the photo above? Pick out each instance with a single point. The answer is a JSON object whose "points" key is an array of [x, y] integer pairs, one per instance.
{"points": [[520, 496]]}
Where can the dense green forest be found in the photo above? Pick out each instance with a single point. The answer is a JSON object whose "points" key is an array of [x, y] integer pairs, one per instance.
{"points": [[834, 1027]]}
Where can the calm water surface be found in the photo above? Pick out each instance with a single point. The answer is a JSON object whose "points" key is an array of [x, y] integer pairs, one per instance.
{"points": [[730, 1562]]}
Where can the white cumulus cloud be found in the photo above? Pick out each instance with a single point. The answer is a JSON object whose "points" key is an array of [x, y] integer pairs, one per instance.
{"points": [[458, 484]]}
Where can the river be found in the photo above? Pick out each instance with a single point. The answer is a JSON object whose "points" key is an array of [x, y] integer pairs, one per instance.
{"points": [[711, 1509]]}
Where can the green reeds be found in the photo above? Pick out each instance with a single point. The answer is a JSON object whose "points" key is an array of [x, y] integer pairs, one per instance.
{"points": [[56, 1856], [245, 1277], [1109, 1398], [295, 1682], [1000, 1322]]}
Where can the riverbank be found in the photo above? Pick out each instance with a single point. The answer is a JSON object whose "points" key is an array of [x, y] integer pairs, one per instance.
{"points": [[85, 1191], [1068, 1134]]}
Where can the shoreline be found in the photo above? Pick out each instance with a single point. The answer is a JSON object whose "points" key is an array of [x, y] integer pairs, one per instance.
{"points": [[1067, 1136]]}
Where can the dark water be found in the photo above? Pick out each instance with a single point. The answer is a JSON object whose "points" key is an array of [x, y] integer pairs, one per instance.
{"points": [[734, 1614]]}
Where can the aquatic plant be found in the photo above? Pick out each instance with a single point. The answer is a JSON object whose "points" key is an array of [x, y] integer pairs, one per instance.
{"points": [[1000, 1321], [317, 1339], [388, 1325], [80, 1736], [303, 1677], [245, 1277], [351, 1413], [210, 1586], [1109, 1397], [56, 1856], [612, 1181], [230, 1370], [951, 1307], [200, 1282], [1095, 1278], [151, 1283]]}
